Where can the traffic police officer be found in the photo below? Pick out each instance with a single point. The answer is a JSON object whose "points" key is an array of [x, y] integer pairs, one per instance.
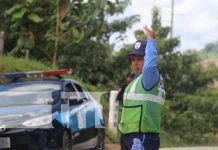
{"points": [[143, 97]]}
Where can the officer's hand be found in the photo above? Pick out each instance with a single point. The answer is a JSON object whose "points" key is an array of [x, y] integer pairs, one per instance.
{"points": [[150, 34]]}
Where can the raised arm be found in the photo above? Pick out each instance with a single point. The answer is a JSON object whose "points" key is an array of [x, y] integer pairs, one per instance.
{"points": [[150, 73]]}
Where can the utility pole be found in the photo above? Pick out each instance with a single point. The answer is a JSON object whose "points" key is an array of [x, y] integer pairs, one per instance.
{"points": [[172, 15]]}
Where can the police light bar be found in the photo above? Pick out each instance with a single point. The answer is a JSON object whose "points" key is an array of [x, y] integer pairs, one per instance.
{"points": [[36, 73]]}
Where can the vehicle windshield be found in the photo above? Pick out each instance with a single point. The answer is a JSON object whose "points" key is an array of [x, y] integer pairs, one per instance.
{"points": [[27, 93]]}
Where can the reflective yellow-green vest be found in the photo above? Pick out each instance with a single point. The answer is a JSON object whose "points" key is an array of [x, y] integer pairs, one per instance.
{"points": [[141, 110]]}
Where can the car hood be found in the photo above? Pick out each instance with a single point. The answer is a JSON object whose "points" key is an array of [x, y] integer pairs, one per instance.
{"points": [[14, 116]]}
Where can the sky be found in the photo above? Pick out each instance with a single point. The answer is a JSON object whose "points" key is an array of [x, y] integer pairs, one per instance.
{"points": [[195, 21]]}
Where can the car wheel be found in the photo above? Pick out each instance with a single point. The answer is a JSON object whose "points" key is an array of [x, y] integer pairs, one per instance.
{"points": [[100, 143], [66, 141]]}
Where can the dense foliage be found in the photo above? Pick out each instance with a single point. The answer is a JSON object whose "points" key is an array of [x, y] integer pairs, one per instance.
{"points": [[193, 117], [65, 33], [190, 103]]}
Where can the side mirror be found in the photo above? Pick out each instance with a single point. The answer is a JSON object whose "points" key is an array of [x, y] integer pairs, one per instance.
{"points": [[75, 100], [49, 101]]}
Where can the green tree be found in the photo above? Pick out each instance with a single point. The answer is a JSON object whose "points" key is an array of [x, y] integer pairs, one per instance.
{"points": [[92, 56], [121, 64], [182, 72], [20, 20], [185, 80], [193, 117], [75, 33]]}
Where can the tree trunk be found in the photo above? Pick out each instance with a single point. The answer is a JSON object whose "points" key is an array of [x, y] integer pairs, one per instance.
{"points": [[2, 42], [56, 38], [27, 54]]}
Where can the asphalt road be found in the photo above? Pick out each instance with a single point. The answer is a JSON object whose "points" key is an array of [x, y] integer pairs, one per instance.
{"points": [[117, 147], [191, 148]]}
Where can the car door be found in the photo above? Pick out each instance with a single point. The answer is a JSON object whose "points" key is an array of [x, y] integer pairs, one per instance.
{"points": [[90, 107], [62, 117], [86, 117]]}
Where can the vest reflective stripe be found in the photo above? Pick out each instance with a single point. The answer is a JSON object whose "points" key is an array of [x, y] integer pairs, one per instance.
{"points": [[144, 97]]}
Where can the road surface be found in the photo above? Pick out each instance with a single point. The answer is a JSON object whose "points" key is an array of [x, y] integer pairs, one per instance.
{"points": [[117, 147]]}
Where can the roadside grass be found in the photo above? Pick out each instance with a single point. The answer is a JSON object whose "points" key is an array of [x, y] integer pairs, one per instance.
{"points": [[11, 64], [170, 140]]}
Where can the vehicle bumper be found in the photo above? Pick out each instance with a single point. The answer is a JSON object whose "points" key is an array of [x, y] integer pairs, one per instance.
{"points": [[32, 139]]}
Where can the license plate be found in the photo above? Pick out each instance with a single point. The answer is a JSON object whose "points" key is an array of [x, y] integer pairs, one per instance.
{"points": [[5, 142]]}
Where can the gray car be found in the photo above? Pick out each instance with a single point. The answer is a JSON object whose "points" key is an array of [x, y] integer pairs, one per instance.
{"points": [[37, 112]]}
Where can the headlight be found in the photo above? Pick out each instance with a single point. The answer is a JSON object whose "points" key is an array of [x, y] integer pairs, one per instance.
{"points": [[41, 121]]}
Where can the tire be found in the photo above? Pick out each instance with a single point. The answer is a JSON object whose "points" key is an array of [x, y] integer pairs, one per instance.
{"points": [[66, 141], [100, 142]]}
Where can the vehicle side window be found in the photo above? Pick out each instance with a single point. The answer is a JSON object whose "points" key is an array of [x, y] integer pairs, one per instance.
{"points": [[69, 90], [82, 92]]}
